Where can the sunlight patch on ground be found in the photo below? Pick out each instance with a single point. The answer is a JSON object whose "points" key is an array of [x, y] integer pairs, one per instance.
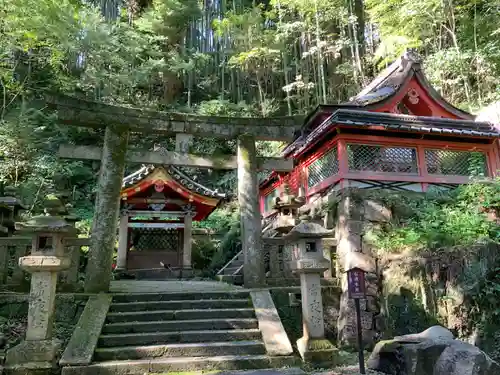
{"points": [[171, 286]]}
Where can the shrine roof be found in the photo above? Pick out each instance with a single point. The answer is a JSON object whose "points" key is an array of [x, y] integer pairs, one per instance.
{"points": [[370, 108], [390, 80], [178, 176], [397, 122]]}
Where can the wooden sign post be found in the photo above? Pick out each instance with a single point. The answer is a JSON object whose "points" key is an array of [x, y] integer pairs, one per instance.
{"points": [[357, 290]]}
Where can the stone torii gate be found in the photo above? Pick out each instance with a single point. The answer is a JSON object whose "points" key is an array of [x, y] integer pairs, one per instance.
{"points": [[120, 121]]}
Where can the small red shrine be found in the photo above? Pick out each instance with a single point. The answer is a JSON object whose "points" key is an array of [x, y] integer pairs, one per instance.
{"points": [[158, 205], [397, 133]]}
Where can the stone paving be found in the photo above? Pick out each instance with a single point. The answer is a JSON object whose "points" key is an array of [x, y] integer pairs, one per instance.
{"points": [[170, 286]]}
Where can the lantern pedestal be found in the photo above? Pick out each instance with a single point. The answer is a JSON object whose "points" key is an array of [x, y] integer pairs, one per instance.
{"points": [[313, 346], [37, 353], [309, 263], [38, 350]]}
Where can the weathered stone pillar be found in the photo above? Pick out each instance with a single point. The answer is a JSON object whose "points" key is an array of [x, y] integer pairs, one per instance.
{"points": [[38, 352], [248, 199], [68, 279], [121, 257], [355, 213], [4, 262], [309, 264], [72, 273], [188, 241], [98, 275], [274, 270]]}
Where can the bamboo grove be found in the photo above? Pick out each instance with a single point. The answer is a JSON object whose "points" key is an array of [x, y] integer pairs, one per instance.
{"points": [[218, 57]]}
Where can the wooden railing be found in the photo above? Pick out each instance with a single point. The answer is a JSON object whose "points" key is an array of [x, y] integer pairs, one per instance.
{"points": [[373, 161]]}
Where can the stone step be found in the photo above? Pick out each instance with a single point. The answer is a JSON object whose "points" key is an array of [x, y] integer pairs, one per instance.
{"points": [[230, 270], [180, 364], [162, 315], [175, 305], [179, 296], [179, 325], [204, 349], [150, 338], [231, 279]]}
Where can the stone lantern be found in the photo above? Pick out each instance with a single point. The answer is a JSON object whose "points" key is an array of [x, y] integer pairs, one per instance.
{"points": [[5, 214], [10, 206], [70, 276], [47, 258], [287, 207], [309, 263]]}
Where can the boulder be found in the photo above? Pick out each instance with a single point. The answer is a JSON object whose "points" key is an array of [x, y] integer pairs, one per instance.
{"points": [[462, 358], [431, 352], [432, 333]]}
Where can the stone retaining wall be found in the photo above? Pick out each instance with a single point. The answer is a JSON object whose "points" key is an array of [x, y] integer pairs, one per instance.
{"points": [[68, 306]]}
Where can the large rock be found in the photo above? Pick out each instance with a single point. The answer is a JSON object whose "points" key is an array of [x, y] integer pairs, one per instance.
{"points": [[431, 352], [462, 358]]}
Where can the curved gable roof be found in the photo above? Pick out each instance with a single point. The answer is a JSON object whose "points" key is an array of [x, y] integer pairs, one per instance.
{"points": [[387, 84], [181, 178], [174, 180]]}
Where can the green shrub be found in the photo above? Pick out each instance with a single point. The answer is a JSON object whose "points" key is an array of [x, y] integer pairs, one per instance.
{"points": [[459, 217]]}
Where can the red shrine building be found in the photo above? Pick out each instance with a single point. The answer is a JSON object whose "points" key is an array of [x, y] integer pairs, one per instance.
{"points": [[158, 206], [398, 133]]}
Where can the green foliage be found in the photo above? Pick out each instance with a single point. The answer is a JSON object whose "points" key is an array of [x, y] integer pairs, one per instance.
{"points": [[481, 310], [406, 314], [462, 59], [446, 219], [211, 255], [236, 58]]}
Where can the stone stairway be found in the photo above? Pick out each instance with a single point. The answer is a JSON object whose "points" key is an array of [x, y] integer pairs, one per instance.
{"points": [[159, 333], [232, 272]]}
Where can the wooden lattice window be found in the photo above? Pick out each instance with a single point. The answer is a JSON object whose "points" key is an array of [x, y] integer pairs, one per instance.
{"points": [[457, 163], [325, 166], [382, 159], [154, 239]]}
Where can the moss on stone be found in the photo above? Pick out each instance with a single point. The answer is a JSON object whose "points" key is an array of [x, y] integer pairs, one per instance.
{"points": [[82, 344], [320, 344]]}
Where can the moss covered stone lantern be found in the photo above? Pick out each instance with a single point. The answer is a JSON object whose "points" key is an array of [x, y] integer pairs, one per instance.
{"points": [[10, 207], [309, 263], [47, 258], [287, 206]]}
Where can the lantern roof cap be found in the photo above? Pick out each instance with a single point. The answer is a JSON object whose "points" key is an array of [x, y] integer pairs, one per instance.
{"points": [[10, 199], [49, 222], [308, 229], [288, 201]]}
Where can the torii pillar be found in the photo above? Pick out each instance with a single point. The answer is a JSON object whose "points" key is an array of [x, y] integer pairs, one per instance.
{"points": [[107, 205], [250, 221]]}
